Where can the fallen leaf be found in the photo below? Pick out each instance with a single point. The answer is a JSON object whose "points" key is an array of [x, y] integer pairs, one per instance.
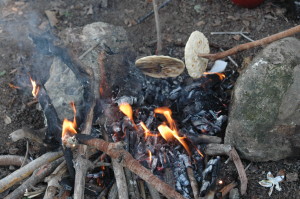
{"points": [[237, 37]]}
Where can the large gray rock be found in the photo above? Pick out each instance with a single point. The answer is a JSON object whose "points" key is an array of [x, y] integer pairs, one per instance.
{"points": [[264, 119], [63, 86]]}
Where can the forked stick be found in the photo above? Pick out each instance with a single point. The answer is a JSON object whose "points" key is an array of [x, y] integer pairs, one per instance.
{"points": [[252, 44]]}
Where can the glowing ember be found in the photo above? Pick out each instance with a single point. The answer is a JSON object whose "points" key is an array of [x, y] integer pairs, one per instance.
{"points": [[127, 110], [35, 88], [220, 182], [150, 157], [199, 152], [74, 110], [13, 86], [221, 75], [168, 132]]}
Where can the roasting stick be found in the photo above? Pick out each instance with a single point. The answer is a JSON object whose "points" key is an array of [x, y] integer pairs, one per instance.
{"points": [[157, 25], [249, 45]]}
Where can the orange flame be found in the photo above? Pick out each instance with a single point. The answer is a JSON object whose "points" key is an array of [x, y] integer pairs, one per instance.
{"points": [[147, 131], [13, 86], [200, 153], [150, 157], [69, 127], [168, 132], [127, 110], [35, 88], [221, 75]]}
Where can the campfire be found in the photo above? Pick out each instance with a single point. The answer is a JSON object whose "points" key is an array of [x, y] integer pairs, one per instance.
{"points": [[164, 140]]}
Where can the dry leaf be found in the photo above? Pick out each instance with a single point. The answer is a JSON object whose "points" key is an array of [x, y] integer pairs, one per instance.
{"points": [[196, 44]]}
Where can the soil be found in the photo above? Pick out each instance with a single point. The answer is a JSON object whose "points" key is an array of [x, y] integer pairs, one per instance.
{"points": [[178, 19]]}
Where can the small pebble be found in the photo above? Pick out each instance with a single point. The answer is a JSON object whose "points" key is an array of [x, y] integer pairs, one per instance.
{"points": [[234, 194]]}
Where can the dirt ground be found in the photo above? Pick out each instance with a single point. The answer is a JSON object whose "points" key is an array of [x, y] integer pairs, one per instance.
{"points": [[178, 19]]}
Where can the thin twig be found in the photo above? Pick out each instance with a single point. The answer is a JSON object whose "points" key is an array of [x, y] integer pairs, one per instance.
{"points": [[25, 171], [141, 19], [82, 163], [129, 162], [249, 45], [37, 177], [193, 182], [26, 154], [157, 24], [89, 50], [225, 190]]}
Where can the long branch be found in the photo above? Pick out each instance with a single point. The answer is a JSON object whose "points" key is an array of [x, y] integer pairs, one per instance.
{"points": [[129, 162], [249, 45]]}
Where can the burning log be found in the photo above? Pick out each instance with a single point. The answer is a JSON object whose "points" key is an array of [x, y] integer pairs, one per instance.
{"points": [[193, 181], [25, 171], [37, 177], [129, 162]]}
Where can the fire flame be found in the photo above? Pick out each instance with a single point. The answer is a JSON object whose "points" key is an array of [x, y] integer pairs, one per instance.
{"points": [[221, 75], [150, 157], [35, 88], [69, 127], [127, 110], [147, 131], [167, 132]]}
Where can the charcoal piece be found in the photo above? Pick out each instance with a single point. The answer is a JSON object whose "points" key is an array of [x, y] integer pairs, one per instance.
{"points": [[126, 99], [204, 188], [174, 93]]}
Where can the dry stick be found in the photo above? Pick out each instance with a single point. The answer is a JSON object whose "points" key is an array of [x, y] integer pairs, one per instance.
{"points": [[142, 189], [36, 177], [26, 154], [225, 190], [221, 149], [129, 162], [120, 179], [240, 168], [25, 171], [193, 181], [119, 173], [53, 181], [7, 160], [82, 163], [159, 42], [154, 194], [113, 193], [249, 45], [132, 184]]}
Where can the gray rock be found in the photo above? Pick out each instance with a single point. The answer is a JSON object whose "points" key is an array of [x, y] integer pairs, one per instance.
{"points": [[234, 194], [264, 118], [63, 88]]}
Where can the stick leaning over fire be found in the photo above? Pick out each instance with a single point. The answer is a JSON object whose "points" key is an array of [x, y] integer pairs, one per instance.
{"points": [[249, 45]]}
